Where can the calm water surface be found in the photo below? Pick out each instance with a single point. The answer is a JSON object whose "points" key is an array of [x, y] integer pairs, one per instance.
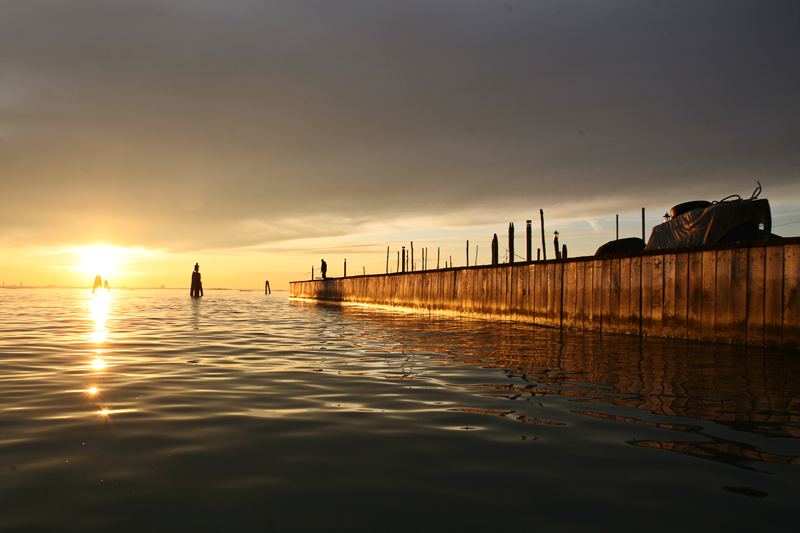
{"points": [[149, 411]]}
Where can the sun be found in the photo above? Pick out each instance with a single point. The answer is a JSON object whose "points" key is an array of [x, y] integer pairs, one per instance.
{"points": [[100, 260]]}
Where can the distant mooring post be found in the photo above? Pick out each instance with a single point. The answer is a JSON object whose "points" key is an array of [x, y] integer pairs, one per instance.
{"points": [[511, 243], [412, 256], [495, 252], [345, 268], [387, 259], [617, 228], [312, 273], [544, 244], [404, 259], [267, 290], [438, 252], [528, 241], [398, 262], [643, 223], [555, 243], [467, 253]]}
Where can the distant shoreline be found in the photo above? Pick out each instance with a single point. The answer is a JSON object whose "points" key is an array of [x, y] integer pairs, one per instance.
{"points": [[88, 287]]}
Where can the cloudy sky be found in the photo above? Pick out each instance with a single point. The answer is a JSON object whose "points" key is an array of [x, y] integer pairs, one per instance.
{"points": [[259, 136]]}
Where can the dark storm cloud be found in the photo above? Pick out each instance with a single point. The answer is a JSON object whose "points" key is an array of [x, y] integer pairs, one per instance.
{"points": [[185, 122]]}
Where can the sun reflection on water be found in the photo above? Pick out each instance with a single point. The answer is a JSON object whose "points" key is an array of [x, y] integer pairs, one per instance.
{"points": [[99, 312]]}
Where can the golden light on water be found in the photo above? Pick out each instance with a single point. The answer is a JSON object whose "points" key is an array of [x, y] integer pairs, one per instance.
{"points": [[98, 364], [93, 390], [99, 310]]}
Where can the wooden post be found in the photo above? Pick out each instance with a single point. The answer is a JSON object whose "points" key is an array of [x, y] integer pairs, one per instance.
{"points": [[617, 238], [451, 261], [476, 255], [467, 253], [538, 254], [563, 251], [267, 290], [404, 259], [387, 259], [643, 224], [544, 245], [437, 257], [364, 270], [398, 261], [312, 272], [555, 244], [495, 252], [528, 242], [412, 256], [510, 243], [345, 268]]}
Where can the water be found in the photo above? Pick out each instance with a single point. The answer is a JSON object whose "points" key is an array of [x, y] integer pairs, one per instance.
{"points": [[257, 413]]}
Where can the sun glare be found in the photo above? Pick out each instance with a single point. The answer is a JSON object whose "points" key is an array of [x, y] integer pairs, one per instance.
{"points": [[101, 259]]}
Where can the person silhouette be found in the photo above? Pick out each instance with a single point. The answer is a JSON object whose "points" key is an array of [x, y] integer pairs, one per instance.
{"points": [[324, 269], [197, 285], [105, 286], [98, 283]]}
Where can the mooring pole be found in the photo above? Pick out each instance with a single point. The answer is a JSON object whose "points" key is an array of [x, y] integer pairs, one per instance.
{"points": [[398, 262], [412, 256], [617, 228], [387, 259], [404, 258], [312, 273], [476, 255], [467, 253], [544, 244], [511, 243], [267, 290], [437, 257], [528, 241], [345, 268], [643, 223]]}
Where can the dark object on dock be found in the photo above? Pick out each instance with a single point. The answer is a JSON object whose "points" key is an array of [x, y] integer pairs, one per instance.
{"points": [[544, 245], [196, 290], [685, 207], [555, 244], [267, 290], [98, 283], [621, 246], [495, 252], [323, 268], [105, 286]]}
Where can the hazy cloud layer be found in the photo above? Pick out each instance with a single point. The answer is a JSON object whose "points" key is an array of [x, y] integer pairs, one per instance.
{"points": [[203, 124]]}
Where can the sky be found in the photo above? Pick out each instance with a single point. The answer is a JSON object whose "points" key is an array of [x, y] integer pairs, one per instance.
{"points": [[257, 137]]}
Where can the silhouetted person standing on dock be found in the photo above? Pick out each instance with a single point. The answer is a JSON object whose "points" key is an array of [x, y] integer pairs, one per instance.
{"points": [[324, 269], [197, 285]]}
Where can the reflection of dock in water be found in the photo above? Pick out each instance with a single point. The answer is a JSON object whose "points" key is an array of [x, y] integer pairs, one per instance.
{"points": [[751, 390]]}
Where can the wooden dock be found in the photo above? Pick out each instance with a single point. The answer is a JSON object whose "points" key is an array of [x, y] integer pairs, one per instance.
{"points": [[740, 293]]}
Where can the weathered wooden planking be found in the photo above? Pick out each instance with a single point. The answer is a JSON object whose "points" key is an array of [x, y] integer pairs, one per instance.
{"points": [[588, 296], [708, 306], [605, 305], [551, 294], [580, 294], [597, 296], [694, 324], [614, 295], [773, 296], [756, 263], [681, 323], [635, 303], [668, 313], [657, 296], [723, 328], [791, 296], [558, 297], [647, 294], [569, 291], [623, 314]]}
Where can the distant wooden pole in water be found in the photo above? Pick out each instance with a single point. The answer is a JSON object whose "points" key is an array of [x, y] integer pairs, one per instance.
{"points": [[495, 252], [345, 268], [544, 244], [538, 254], [555, 244], [510, 243], [563, 251], [364, 270], [398, 262], [438, 251], [528, 241], [643, 223], [312, 272], [412, 256], [467, 253], [387, 259], [617, 228], [451, 261], [476, 254], [404, 259], [267, 290]]}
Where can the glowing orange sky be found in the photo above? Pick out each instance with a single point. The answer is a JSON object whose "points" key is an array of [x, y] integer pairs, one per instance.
{"points": [[260, 137]]}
